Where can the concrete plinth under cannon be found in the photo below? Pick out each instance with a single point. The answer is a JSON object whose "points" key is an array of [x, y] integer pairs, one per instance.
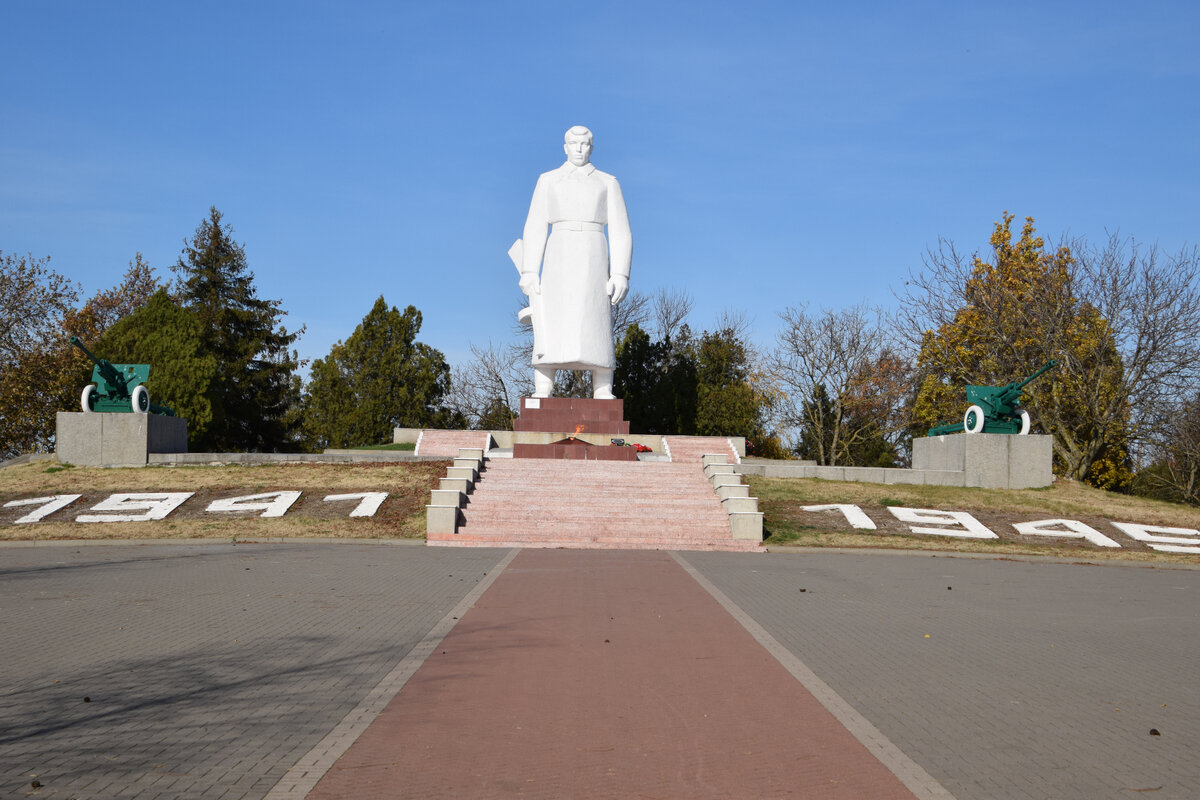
{"points": [[116, 440], [989, 460]]}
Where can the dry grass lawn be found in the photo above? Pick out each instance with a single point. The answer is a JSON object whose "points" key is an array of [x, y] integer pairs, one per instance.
{"points": [[402, 515], [781, 500]]}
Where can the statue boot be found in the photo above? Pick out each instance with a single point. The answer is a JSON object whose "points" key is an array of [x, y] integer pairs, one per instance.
{"points": [[543, 381], [602, 384]]}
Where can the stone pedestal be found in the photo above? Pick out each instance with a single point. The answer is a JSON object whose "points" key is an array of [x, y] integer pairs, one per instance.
{"points": [[116, 440], [571, 417], [989, 460]]}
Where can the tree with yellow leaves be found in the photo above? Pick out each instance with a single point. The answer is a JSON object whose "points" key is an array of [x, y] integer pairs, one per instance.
{"points": [[1120, 320]]}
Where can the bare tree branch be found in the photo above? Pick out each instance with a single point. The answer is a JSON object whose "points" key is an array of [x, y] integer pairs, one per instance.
{"points": [[633, 310], [672, 307], [33, 301], [496, 374], [847, 357]]}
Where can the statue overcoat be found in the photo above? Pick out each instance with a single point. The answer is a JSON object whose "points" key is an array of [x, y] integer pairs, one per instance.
{"points": [[564, 238]]}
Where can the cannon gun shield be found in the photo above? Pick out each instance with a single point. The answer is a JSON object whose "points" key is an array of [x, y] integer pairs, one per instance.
{"points": [[117, 388]]}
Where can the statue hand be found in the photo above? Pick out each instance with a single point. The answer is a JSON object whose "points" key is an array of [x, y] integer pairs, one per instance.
{"points": [[617, 287], [530, 285]]}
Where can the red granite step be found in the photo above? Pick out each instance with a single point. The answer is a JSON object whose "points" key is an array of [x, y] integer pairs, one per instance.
{"points": [[446, 443], [489, 510], [572, 414], [731, 545], [688, 449], [688, 516]]}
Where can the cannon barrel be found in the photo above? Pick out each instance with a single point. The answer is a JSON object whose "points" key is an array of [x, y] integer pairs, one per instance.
{"points": [[1049, 365], [96, 360], [1013, 390], [110, 373]]}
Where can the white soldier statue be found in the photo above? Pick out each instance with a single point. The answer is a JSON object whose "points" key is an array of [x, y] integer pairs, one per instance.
{"points": [[570, 272]]}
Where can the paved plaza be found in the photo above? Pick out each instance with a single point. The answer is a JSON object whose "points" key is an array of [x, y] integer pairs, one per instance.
{"points": [[265, 670]]}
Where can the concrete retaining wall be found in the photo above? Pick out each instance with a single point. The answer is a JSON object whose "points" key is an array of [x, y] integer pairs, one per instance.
{"points": [[983, 460], [924, 477], [345, 457]]}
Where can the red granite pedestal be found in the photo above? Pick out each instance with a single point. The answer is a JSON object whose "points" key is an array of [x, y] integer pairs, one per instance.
{"points": [[573, 416]]}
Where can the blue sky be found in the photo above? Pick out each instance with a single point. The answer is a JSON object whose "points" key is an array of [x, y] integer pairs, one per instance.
{"points": [[771, 153]]}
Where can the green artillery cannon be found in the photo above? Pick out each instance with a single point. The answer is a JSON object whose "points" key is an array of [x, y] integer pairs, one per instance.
{"points": [[117, 387], [994, 409]]}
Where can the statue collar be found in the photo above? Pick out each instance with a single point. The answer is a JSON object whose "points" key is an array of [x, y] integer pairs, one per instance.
{"points": [[570, 169]]}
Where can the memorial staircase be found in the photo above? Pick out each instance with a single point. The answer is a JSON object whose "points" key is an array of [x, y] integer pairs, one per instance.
{"points": [[447, 443], [690, 449], [531, 502]]}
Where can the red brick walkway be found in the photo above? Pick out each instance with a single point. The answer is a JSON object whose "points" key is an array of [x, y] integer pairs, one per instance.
{"points": [[604, 674]]}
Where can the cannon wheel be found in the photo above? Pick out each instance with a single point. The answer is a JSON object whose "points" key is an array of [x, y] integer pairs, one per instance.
{"points": [[140, 400], [1025, 423], [973, 420], [85, 398]]}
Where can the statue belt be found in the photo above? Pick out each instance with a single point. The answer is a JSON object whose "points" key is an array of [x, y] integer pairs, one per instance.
{"points": [[570, 225]]}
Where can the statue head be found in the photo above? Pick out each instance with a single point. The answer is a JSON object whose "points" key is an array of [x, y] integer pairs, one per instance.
{"points": [[577, 144]]}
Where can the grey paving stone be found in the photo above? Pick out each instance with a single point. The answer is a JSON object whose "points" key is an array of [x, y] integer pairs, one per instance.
{"points": [[209, 669], [1023, 680]]}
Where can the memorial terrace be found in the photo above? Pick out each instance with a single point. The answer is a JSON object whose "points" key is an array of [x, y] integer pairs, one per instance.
{"points": [[386, 502]]}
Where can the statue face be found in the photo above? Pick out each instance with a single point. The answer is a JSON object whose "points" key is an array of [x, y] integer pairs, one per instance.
{"points": [[578, 150]]}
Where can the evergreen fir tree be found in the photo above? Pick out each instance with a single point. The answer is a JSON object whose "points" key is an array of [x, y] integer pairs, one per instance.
{"points": [[254, 394], [378, 379], [657, 380], [167, 337]]}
